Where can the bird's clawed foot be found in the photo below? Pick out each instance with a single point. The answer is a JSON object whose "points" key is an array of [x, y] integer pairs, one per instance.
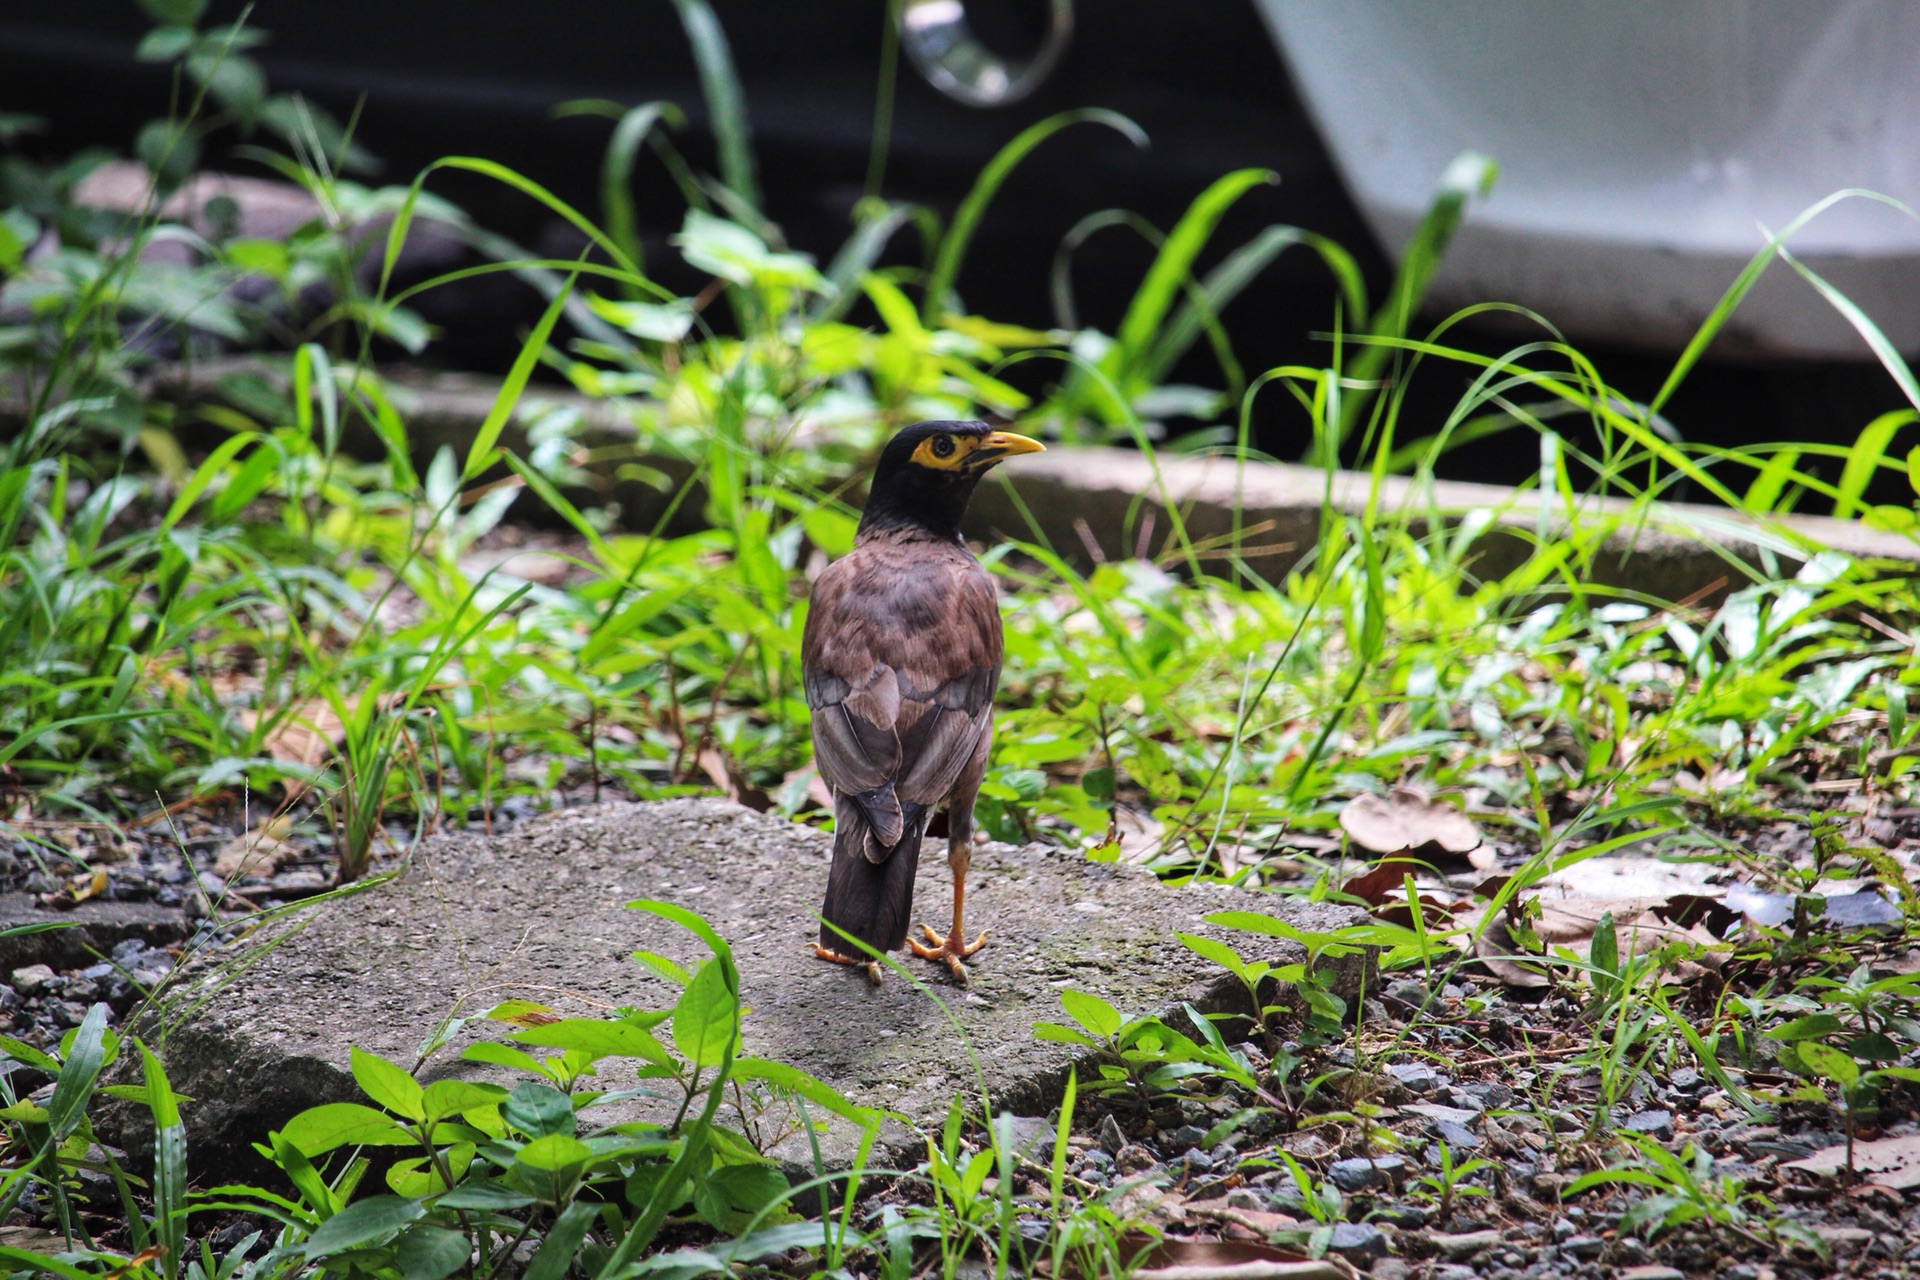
{"points": [[859, 962], [952, 948]]}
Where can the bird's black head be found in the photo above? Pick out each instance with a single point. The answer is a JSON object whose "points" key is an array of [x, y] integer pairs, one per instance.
{"points": [[927, 472]]}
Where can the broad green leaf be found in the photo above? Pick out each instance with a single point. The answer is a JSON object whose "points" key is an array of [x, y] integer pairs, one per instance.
{"points": [[1811, 1027], [320, 1129], [1091, 1012], [85, 1056], [706, 1018], [427, 1252], [169, 1161], [538, 1109], [1829, 1062], [445, 1098], [1210, 949], [386, 1084], [562, 1243], [504, 1055], [554, 1151], [371, 1221], [597, 1038]]}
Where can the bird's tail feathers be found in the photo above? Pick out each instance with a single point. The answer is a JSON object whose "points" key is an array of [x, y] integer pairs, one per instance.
{"points": [[885, 820], [871, 898]]}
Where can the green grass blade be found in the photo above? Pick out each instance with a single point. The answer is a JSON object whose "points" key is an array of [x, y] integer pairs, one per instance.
{"points": [[616, 169], [1744, 282], [1469, 175], [1870, 451], [169, 1164], [953, 247], [1877, 342], [1173, 266], [1225, 282], [481, 454], [726, 105]]}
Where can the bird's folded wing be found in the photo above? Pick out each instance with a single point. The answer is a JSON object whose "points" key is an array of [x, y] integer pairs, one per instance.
{"points": [[895, 706]]}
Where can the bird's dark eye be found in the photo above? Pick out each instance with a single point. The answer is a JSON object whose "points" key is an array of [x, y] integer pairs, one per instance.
{"points": [[943, 446]]}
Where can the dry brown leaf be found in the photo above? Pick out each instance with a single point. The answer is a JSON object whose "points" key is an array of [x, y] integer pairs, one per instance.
{"points": [[1385, 878], [1641, 925], [1890, 1162], [259, 852], [817, 789], [308, 734], [1262, 1221], [1405, 820], [716, 766], [88, 884]]}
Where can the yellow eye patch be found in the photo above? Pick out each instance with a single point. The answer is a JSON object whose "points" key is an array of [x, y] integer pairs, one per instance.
{"points": [[944, 452]]}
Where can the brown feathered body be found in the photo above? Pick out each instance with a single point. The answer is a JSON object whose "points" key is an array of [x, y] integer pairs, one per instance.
{"points": [[901, 657]]}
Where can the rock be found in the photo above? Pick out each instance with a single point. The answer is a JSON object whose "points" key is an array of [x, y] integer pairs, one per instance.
{"points": [[1187, 1135], [1414, 1077], [1133, 1158], [1358, 1242], [1458, 1248], [1031, 1136], [98, 927], [1484, 1096], [1656, 1123], [1584, 1246], [1360, 1174], [1564, 1230], [1686, 1080], [1845, 1239], [1457, 1136], [1410, 992], [1651, 1271], [33, 979], [540, 912], [1434, 1111], [1111, 1139]]}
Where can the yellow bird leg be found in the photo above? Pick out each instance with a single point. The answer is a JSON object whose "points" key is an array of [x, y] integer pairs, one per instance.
{"points": [[953, 947], [858, 962]]}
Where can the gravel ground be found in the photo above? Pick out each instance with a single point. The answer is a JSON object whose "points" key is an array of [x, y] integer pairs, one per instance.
{"points": [[1471, 1070]]}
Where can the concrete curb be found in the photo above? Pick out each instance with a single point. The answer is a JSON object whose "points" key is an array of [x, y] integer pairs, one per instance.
{"points": [[1114, 503]]}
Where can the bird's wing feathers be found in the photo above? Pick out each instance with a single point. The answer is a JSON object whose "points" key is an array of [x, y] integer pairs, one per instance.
{"points": [[900, 657]]}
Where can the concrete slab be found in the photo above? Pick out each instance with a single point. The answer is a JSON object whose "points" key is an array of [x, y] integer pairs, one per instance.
{"points": [[539, 914], [1119, 499], [80, 934]]}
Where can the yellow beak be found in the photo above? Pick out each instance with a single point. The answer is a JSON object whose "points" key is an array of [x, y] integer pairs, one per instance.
{"points": [[1002, 444]]}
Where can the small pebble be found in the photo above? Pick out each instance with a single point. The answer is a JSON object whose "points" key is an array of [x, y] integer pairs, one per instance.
{"points": [[1584, 1246], [1360, 1174], [1111, 1139], [1414, 1077], [1133, 1158], [33, 979], [1358, 1242], [1187, 1135], [1657, 1124], [1459, 1248]]}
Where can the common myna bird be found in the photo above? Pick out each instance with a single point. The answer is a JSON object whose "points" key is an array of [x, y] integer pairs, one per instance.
{"points": [[901, 656]]}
